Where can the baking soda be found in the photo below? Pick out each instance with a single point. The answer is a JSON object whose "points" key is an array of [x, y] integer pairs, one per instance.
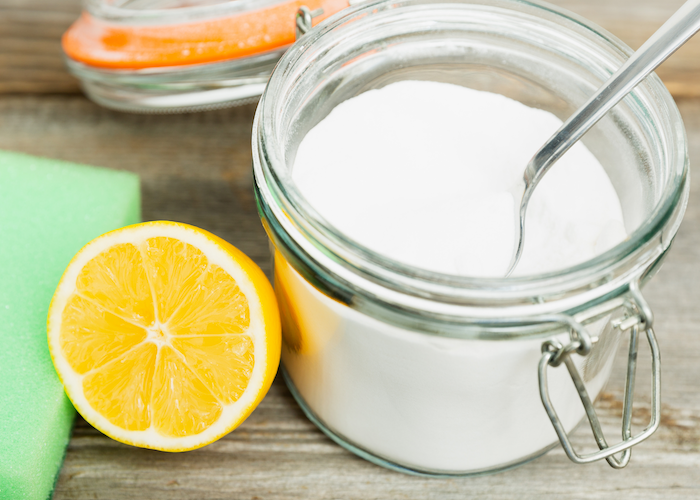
{"points": [[420, 172]]}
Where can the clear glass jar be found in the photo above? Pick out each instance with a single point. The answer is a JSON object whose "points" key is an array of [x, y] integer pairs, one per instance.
{"points": [[173, 56], [437, 374]]}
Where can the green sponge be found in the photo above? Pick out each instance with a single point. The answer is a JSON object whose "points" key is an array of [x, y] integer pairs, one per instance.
{"points": [[48, 210]]}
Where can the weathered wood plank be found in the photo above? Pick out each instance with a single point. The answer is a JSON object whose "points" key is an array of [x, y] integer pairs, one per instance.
{"points": [[195, 168], [30, 31], [31, 59]]}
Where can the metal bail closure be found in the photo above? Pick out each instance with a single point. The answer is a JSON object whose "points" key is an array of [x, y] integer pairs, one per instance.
{"points": [[553, 354], [304, 19]]}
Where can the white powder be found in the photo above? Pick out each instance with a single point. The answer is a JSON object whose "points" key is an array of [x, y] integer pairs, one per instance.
{"points": [[419, 171]]}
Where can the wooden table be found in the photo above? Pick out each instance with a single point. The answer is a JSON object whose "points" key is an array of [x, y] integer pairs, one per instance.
{"points": [[195, 168]]}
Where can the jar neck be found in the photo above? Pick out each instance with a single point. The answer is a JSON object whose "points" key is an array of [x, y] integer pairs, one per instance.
{"points": [[496, 306]]}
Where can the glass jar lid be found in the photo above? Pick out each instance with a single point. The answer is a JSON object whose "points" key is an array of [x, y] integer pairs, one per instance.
{"points": [[182, 55]]}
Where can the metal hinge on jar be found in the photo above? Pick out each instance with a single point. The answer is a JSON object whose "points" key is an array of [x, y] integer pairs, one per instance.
{"points": [[639, 319], [304, 19]]}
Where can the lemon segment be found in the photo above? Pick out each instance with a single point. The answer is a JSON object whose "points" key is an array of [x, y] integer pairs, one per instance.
{"points": [[182, 404], [92, 336], [174, 268], [116, 281], [120, 391], [224, 363]]}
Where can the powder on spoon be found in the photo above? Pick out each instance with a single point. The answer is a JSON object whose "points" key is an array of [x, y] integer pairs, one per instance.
{"points": [[420, 171]]}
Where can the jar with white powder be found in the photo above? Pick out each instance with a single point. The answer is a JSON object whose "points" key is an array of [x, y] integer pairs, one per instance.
{"points": [[402, 343]]}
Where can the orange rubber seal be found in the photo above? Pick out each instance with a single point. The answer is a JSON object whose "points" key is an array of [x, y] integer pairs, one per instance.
{"points": [[111, 45]]}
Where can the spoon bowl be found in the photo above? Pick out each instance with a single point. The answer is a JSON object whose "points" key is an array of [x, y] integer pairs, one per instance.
{"points": [[679, 28]]}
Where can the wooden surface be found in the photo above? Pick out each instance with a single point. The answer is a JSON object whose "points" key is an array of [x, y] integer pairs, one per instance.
{"points": [[195, 168], [31, 57]]}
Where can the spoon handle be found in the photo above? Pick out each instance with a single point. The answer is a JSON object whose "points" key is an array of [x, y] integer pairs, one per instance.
{"points": [[674, 33]]}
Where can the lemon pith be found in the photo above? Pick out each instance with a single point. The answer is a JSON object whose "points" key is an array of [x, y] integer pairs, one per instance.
{"points": [[164, 335]]}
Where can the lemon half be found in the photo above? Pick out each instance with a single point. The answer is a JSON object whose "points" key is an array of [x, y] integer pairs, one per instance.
{"points": [[164, 335]]}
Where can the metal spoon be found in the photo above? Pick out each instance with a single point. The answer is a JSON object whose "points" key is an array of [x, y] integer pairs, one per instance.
{"points": [[674, 33]]}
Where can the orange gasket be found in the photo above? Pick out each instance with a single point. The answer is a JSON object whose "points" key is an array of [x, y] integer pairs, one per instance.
{"points": [[115, 46]]}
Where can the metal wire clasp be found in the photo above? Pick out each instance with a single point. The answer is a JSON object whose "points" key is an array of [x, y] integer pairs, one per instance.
{"points": [[304, 19], [554, 353]]}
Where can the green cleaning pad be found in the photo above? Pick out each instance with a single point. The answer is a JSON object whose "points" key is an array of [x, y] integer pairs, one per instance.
{"points": [[48, 210]]}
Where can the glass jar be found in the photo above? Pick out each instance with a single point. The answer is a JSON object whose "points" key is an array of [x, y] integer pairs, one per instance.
{"points": [[448, 375], [183, 55]]}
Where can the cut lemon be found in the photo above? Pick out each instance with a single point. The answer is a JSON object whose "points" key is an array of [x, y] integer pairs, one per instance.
{"points": [[164, 335]]}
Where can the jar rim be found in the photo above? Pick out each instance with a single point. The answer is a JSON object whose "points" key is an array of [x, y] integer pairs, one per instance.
{"points": [[304, 223]]}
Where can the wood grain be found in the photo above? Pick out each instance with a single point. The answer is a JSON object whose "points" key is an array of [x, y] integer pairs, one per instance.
{"points": [[195, 168], [31, 57]]}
